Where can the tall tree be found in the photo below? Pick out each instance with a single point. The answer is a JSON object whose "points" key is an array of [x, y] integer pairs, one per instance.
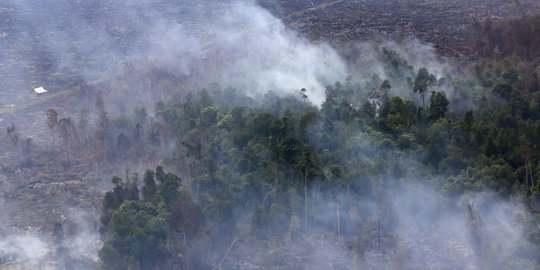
{"points": [[438, 105], [303, 95], [421, 84], [149, 189], [307, 163]]}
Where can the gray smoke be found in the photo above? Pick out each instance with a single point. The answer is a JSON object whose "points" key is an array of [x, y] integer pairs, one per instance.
{"points": [[73, 245], [241, 45]]}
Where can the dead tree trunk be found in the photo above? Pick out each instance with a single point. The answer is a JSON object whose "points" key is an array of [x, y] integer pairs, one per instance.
{"points": [[338, 221], [52, 121], [379, 234], [305, 199]]}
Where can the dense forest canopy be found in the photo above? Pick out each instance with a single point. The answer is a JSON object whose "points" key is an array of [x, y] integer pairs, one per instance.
{"points": [[280, 182]]}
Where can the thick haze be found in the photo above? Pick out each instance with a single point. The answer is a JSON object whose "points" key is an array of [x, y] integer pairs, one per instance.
{"points": [[238, 44], [421, 229], [56, 43]]}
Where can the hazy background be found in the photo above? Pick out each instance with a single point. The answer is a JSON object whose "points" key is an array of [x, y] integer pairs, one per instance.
{"points": [[189, 44]]}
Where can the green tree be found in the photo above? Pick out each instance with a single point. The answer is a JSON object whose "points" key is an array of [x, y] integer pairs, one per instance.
{"points": [[168, 190], [422, 83], [469, 118], [138, 234], [160, 174], [504, 90], [397, 115], [149, 189], [437, 144], [438, 105]]}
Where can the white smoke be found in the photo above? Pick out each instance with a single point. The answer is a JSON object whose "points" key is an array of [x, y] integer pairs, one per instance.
{"points": [[249, 49]]}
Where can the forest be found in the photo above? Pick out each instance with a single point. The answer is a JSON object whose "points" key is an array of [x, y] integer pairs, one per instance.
{"points": [[402, 172]]}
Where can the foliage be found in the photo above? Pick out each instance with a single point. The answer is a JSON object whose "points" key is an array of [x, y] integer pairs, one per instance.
{"points": [[282, 157]]}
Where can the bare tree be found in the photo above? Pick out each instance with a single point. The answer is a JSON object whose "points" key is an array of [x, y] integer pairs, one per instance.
{"points": [[14, 138], [122, 145], [52, 121], [12, 134], [83, 124], [27, 151], [100, 102], [137, 133], [68, 133]]}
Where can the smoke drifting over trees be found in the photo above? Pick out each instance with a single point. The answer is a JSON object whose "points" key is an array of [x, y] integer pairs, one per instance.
{"points": [[241, 45], [245, 145]]}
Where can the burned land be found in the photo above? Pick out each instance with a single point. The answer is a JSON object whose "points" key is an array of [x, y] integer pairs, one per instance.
{"points": [[449, 25]]}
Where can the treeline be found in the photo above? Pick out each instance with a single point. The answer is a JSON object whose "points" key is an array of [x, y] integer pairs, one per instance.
{"points": [[281, 160]]}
